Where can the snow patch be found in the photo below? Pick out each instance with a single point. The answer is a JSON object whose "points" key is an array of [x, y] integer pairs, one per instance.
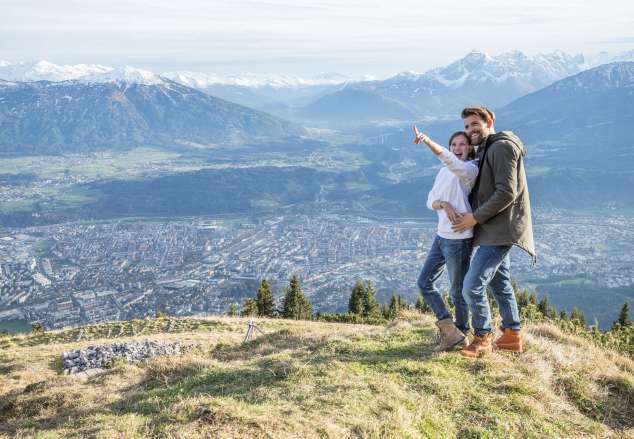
{"points": [[47, 71], [124, 75], [203, 80]]}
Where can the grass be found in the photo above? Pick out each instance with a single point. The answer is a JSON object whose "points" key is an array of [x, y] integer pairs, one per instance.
{"points": [[315, 379], [575, 281], [26, 205], [116, 164]]}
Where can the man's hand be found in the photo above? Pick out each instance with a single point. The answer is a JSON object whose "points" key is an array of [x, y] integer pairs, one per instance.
{"points": [[452, 214], [466, 222]]}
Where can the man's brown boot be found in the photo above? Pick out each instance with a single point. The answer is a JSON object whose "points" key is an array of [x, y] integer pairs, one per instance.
{"points": [[510, 340], [450, 335], [480, 346]]}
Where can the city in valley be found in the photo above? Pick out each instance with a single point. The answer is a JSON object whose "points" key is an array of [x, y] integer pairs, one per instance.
{"points": [[77, 273]]}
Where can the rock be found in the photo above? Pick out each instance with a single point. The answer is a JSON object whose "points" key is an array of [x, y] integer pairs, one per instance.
{"points": [[89, 373], [98, 357]]}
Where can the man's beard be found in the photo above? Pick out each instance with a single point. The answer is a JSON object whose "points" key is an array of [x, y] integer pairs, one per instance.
{"points": [[477, 138]]}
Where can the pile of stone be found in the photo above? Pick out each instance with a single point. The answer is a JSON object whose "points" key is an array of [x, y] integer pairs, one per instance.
{"points": [[95, 359]]}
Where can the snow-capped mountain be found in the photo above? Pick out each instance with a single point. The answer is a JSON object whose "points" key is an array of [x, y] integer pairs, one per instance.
{"points": [[111, 112], [272, 93], [204, 80], [126, 74], [617, 75], [479, 68], [47, 71], [477, 78], [276, 94], [596, 59]]}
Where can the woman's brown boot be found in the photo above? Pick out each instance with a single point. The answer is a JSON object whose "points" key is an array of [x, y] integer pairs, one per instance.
{"points": [[450, 335]]}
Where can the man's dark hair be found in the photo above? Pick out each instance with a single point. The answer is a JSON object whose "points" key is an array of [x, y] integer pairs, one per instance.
{"points": [[482, 112], [471, 155]]}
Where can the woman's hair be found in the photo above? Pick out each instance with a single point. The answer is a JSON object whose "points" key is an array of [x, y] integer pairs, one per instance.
{"points": [[471, 155]]}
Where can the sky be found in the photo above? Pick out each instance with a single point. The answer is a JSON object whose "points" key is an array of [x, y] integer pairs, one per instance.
{"points": [[301, 37]]}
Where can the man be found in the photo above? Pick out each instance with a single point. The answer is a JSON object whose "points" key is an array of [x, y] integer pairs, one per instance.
{"points": [[501, 218]]}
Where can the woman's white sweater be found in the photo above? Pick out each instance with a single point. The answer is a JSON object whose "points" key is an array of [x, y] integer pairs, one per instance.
{"points": [[453, 185]]}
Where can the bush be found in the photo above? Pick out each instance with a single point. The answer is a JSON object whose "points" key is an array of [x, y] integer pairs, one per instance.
{"points": [[37, 328], [350, 318]]}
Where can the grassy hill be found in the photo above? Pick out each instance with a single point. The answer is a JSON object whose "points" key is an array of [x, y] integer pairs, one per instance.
{"points": [[314, 379]]}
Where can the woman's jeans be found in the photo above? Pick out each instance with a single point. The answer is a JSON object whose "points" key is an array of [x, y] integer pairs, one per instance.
{"points": [[454, 254], [491, 267]]}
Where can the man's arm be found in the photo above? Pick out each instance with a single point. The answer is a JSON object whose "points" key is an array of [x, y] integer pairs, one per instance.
{"points": [[504, 159]]}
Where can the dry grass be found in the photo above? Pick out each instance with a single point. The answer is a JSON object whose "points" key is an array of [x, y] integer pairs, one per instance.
{"points": [[315, 379]]}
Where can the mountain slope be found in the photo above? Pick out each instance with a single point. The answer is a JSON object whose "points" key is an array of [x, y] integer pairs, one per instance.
{"points": [[593, 108], [355, 106], [323, 380], [476, 78], [122, 109], [276, 94]]}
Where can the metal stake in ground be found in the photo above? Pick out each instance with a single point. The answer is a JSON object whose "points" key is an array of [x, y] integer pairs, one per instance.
{"points": [[250, 329]]}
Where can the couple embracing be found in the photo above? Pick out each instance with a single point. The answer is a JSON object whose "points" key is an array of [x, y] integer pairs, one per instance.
{"points": [[481, 197]]}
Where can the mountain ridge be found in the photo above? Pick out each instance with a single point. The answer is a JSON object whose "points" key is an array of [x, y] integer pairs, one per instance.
{"points": [[593, 107], [477, 78], [72, 116], [335, 99]]}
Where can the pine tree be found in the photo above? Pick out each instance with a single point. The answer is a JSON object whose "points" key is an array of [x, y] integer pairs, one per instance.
{"points": [[370, 304], [250, 308], [421, 305], [577, 317], [563, 315], [265, 300], [402, 304], [385, 311], [397, 303], [624, 316], [37, 328], [522, 297], [533, 298], [546, 309], [233, 310], [296, 305], [357, 298], [392, 309]]}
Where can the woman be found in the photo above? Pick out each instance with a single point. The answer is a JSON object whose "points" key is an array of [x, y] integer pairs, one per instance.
{"points": [[449, 198]]}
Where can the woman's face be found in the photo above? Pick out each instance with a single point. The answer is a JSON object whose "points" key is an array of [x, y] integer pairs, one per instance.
{"points": [[460, 147]]}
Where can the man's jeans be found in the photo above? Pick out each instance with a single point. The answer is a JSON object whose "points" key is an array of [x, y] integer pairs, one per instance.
{"points": [[455, 254], [491, 266]]}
